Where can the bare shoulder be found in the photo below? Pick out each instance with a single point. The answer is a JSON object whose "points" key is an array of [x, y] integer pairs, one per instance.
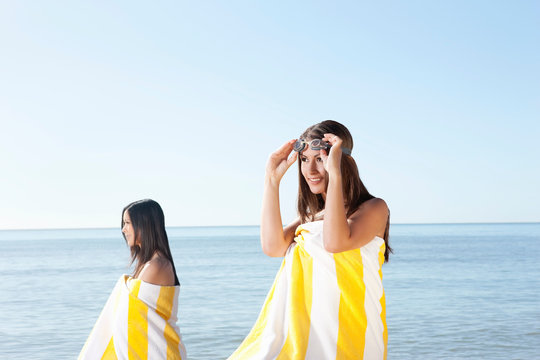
{"points": [[378, 204], [370, 219], [158, 271], [375, 206]]}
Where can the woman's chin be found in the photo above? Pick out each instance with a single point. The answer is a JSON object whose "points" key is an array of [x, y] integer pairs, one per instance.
{"points": [[316, 189]]}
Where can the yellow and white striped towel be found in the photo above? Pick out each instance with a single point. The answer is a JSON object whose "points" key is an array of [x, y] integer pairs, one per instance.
{"points": [[137, 322], [322, 305]]}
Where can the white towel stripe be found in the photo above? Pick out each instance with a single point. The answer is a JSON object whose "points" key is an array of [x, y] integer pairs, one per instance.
{"points": [[324, 326], [121, 327], [374, 345], [275, 332]]}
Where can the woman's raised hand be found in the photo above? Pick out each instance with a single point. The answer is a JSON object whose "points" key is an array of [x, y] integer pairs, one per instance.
{"points": [[279, 161], [332, 160]]}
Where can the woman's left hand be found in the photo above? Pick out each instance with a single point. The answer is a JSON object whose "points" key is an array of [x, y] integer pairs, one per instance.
{"points": [[332, 160]]}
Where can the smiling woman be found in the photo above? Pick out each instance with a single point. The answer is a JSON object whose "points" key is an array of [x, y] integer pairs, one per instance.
{"points": [[327, 300]]}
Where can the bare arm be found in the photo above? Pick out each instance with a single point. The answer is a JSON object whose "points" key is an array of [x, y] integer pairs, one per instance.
{"points": [[366, 223], [274, 239], [369, 220]]}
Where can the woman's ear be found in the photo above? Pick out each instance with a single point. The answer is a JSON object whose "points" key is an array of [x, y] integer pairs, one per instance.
{"points": [[138, 238]]}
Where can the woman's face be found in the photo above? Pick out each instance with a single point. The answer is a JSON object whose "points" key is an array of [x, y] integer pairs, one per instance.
{"points": [[312, 168], [128, 230]]}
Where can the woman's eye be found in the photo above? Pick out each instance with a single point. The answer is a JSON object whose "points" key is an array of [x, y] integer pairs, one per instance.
{"points": [[303, 159], [319, 159]]}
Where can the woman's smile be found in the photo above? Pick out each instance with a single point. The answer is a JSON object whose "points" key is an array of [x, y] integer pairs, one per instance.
{"points": [[312, 167]]}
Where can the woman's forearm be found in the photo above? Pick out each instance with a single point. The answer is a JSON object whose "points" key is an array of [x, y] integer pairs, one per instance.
{"points": [[336, 230], [273, 240]]}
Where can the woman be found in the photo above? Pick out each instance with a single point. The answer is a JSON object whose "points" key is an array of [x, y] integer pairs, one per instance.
{"points": [[327, 301], [139, 319]]}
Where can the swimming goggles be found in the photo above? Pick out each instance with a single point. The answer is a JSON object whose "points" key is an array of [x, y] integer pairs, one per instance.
{"points": [[316, 144]]}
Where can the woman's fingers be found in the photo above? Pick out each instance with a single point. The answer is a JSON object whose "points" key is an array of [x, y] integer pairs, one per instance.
{"points": [[280, 160], [282, 152], [332, 139], [324, 157], [292, 159], [332, 159], [286, 148]]}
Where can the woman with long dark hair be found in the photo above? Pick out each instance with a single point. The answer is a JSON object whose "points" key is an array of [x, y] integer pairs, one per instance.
{"points": [[139, 319], [143, 227], [327, 301]]}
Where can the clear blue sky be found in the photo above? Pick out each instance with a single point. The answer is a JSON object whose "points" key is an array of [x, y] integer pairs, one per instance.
{"points": [[103, 103]]}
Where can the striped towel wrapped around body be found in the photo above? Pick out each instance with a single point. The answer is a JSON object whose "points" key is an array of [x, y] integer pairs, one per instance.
{"points": [[137, 322], [322, 305]]}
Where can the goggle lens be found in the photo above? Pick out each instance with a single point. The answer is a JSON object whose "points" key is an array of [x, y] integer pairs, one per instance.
{"points": [[299, 145], [318, 144], [315, 144]]}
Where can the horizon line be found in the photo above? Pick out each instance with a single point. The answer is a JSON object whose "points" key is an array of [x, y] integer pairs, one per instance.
{"points": [[211, 226]]}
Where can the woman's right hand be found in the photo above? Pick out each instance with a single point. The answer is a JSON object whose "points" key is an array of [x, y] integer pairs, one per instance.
{"points": [[274, 241], [279, 162]]}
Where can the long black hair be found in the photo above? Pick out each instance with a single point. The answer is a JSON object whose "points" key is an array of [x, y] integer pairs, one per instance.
{"points": [[148, 223]]}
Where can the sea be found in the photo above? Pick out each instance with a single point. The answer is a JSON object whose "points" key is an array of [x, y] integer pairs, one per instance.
{"points": [[453, 291]]}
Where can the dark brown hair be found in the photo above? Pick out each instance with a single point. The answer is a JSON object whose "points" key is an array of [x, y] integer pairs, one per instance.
{"points": [[148, 223], [354, 190]]}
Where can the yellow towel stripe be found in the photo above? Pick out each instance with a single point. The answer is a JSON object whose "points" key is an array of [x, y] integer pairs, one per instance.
{"points": [[109, 353], [382, 249], [352, 314], [165, 301], [164, 308], [173, 341], [251, 344], [383, 317], [301, 290], [137, 325]]}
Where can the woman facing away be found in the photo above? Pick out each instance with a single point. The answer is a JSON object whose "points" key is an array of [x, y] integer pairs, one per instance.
{"points": [[139, 318], [327, 301]]}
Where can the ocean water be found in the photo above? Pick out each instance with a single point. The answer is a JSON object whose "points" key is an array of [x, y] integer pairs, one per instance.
{"points": [[453, 291]]}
